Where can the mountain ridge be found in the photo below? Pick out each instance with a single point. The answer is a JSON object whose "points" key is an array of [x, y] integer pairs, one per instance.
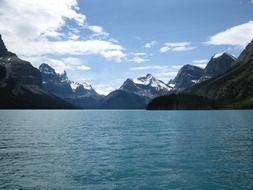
{"points": [[231, 90], [21, 85]]}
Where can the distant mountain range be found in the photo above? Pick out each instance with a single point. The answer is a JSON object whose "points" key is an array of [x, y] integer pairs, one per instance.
{"points": [[135, 93], [230, 90], [81, 95], [224, 79], [190, 75]]}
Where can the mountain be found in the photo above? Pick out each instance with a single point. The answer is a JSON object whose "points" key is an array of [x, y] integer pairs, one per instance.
{"points": [[230, 90], [120, 99], [135, 93], [82, 95], [247, 54], [187, 76], [146, 86], [237, 83], [219, 64], [21, 85]]}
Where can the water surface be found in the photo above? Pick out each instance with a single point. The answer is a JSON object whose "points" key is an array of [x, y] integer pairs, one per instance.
{"points": [[126, 150]]}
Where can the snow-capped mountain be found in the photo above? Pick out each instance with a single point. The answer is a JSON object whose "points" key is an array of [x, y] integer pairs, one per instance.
{"points": [[82, 89], [187, 76], [135, 93], [236, 84], [81, 94], [146, 86]]}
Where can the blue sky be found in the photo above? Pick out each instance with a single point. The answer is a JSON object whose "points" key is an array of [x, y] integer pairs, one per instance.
{"points": [[126, 39]]}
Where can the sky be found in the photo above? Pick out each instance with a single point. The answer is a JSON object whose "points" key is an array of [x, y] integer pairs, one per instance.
{"points": [[104, 42]]}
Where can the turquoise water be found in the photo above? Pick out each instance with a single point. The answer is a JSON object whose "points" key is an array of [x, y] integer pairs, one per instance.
{"points": [[126, 150]]}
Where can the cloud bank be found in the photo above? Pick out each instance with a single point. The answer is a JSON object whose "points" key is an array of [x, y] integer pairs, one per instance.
{"points": [[43, 28], [239, 35], [176, 46]]}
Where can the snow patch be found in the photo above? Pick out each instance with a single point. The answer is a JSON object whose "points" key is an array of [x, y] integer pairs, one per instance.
{"points": [[149, 80], [218, 55], [75, 85]]}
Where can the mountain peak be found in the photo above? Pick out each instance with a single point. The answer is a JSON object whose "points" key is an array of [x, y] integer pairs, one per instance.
{"points": [[187, 76], [3, 50], [47, 69], [149, 76], [247, 53], [145, 80], [218, 64], [148, 81], [223, 55]]}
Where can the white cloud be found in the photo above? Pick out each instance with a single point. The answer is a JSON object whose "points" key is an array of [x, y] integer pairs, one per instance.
{"points": [[151, 44], [200, 61], [139, 58], [84, 68], [239, 35], [73, 36], [114, 54], [167, 74], [35, 28], [158, 67], [177, 67], [98, 30], [73, 61], [59, 65], [31, 19], [140, 54], [76, 63], [177, 46]]}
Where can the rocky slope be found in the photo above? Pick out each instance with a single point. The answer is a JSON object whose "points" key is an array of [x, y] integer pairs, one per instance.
{"points": [[187, 76], [21, 85], [219, 64], [190, 75], [82, 95], [230, 90], [135, 93], [237, 83]]}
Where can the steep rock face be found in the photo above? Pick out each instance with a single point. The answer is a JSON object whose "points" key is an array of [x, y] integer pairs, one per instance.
{"points": [[247, 54], [20, 85], [82, 95], [135, 93], [18, 69], [237, 83], [54, 83], [219, 64], [3, 50], [187, 76]]}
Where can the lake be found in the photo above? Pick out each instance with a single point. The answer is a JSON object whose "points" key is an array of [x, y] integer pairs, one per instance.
{"points": [[102, 149]]}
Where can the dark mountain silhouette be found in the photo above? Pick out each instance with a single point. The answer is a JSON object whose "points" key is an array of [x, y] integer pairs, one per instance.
{"points": [[21, 85]]}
